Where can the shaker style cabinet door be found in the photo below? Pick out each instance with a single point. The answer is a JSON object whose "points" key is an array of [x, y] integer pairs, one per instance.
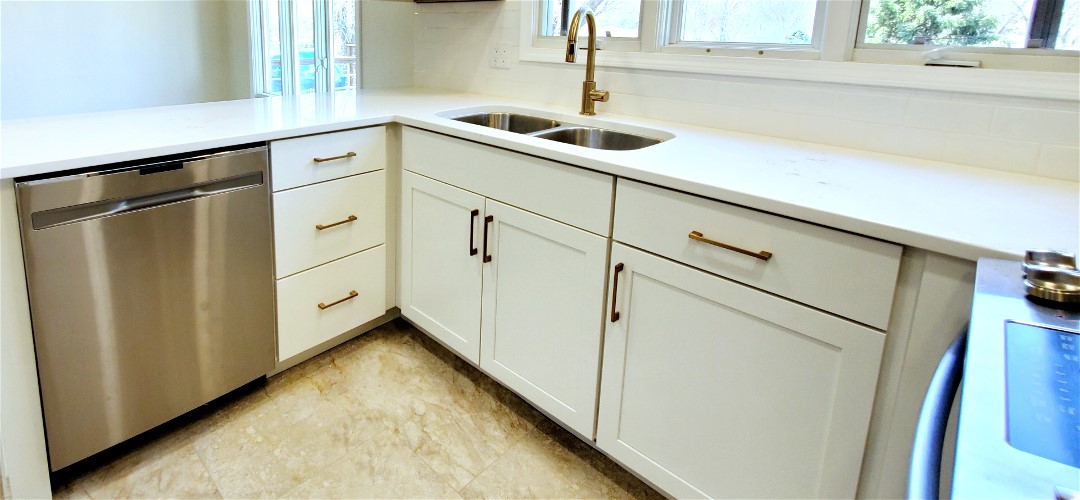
{"points": [[441, 232], [715, 389], [542, 324]]}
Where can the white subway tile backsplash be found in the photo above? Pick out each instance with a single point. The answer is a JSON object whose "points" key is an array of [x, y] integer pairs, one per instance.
{"points": [[905, 141], [1041, 125], [694, 113], [990, 152], [948, 116], [868, 107], [803, 101], [1029, 135], [1059, 162]]}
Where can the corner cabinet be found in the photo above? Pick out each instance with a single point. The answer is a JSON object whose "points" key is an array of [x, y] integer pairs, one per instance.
{"points": [[716, 385], [505, 274]]}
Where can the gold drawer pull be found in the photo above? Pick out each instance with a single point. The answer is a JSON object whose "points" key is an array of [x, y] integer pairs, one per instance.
{"points": [[352, 295], [350, 154], [320, 227], [763, 255]]}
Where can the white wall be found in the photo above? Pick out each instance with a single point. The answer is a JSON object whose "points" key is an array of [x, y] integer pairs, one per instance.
{"points": [[62, 57], [1032, 136], [386, 43]]}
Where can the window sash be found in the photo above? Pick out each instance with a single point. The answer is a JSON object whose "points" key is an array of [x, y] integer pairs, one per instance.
{"points": [[839, 33], [261, 66]]}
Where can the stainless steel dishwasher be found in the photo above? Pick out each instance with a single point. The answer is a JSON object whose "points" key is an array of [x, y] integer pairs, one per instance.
{"points": [[151, 291]]}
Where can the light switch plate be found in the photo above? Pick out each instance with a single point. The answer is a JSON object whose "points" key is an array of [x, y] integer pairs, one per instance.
{"points": [[500, 55]]}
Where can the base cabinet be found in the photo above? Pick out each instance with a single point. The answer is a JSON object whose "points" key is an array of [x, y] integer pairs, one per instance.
{"points": [[714, 389], [441, 263], [543, 300], [518, 294]]}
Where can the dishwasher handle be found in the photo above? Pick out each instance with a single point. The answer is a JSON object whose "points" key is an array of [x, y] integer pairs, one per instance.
{"points": [[924, 476], [88, 211]]}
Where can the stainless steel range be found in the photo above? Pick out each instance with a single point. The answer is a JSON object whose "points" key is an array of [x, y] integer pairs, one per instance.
{"points": [[1018, 432], [151, 292]]}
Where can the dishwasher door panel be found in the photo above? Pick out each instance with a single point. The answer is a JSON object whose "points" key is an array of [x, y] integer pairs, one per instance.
{"points": [[142, 316]]}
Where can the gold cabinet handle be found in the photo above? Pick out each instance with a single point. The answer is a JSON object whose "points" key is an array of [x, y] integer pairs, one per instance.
{"points": [[763, 255], [352, 295], [350, 154], [320, 227]]}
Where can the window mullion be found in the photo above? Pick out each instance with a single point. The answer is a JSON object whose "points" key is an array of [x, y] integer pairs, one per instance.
{"points": [[321, 22], [653, 24], [289, 76], [840, 29], [1045, 17], [257, 35]]}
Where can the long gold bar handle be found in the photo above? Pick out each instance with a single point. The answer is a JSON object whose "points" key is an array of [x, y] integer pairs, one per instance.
{"points": [[320, 227], [350, 154], [763, 255], [352, 295]]}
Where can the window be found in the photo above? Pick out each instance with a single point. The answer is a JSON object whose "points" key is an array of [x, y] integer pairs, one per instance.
{"points": [[303, 46], [1051, 24], [1006, 34], [736, 21]]}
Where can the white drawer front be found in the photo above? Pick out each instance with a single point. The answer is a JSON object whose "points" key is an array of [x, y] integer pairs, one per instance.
{"points": [[293, 161], [299, 244], [571, 195], [846, 274], [302, 324]]}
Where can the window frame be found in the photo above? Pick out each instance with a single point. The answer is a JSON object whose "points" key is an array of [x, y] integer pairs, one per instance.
{"points": [[838, 60], [258, 17]]}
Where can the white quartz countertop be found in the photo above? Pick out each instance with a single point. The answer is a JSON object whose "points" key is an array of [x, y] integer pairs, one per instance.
{"points": [[961, 211]]}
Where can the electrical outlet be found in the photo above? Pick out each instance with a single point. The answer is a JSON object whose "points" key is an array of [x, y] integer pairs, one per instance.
{"points": [[500, 55]]}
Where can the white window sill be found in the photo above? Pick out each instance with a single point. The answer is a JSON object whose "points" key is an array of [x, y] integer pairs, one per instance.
{"points": [[1039, 84]]}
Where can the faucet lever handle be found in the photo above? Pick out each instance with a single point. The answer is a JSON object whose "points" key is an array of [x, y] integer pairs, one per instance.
{"points": [[599, 95]]}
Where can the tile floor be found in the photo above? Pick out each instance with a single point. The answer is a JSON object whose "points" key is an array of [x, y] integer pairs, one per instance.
{"points": [[390, 414]]}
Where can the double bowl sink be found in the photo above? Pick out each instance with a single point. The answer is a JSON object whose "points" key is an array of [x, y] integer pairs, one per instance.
{"points": [[554, 130]]}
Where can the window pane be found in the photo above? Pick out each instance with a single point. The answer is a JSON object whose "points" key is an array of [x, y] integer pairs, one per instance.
{"points": [[1068, 36], [614, 18], [964, 23], [343, 33], [304, 43], [748, 21], [272, 41]]}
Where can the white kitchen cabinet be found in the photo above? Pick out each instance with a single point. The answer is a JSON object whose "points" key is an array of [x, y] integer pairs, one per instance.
{"points": [[441, 262], [329, 220], [542, 312], [317, 305], [527, 306], [714, 389], [316, 158], [330, 261]]}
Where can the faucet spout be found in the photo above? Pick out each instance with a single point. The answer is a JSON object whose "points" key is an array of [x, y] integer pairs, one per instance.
{"points": [[589, 94]]}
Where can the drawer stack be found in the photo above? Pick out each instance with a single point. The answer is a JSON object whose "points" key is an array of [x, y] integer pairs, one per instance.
{"points": [[329, 235]]}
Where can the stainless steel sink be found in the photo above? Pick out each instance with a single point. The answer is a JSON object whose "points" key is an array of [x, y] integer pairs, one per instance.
{"points": [[576, 134], [597, 138], [511, 122]]}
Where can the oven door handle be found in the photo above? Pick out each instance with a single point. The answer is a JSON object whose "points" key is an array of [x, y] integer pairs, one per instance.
{"points": [[924, 476]]}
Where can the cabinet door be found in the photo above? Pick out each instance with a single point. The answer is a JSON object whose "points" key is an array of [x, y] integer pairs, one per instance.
{"points": [[440, 274], [711, 388], [543, 306]]}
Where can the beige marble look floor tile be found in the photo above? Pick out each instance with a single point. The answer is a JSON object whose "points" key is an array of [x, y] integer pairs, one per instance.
{"points": [[391, 414], [175, 473], [544, 468], [386, 468], [448, 420], [267, 453]]}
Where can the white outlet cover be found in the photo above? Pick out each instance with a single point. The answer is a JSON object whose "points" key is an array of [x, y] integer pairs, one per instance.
{"points": [[500, 55]]}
